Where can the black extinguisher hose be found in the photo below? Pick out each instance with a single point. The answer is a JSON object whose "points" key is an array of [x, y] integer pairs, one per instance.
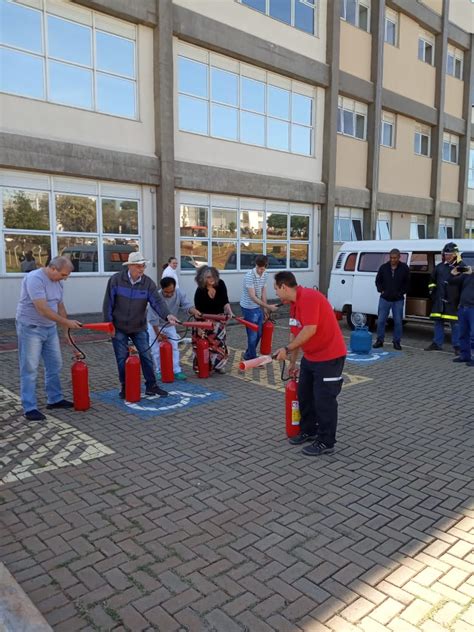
{"points": [[82, 355]]}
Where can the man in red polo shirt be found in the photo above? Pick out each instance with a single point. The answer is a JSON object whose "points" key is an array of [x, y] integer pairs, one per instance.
{"points": [[314, 330]]}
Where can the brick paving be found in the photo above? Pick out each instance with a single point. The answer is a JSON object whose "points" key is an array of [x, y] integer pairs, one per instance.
{"points": [[206, 519]]}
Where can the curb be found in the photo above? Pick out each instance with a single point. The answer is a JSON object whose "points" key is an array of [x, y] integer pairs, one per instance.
{"points": [[17, 611]]}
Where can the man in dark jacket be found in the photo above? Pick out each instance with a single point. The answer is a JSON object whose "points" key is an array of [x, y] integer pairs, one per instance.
{"points": [[463, 277], [392, 283], [125, 305], [444, 299]]}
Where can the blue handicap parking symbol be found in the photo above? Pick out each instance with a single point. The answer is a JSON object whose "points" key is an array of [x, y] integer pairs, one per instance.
{"points": [[180, 396], [373, 356]]}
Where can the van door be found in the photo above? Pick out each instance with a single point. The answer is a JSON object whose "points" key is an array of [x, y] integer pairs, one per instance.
{"points": [[342, 279]]}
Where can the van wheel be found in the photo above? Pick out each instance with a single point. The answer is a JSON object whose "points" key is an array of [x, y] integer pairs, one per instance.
{"points": [[359, 319]]}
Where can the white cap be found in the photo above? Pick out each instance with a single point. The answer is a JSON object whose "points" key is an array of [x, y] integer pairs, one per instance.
{"points": [[135, 258]]}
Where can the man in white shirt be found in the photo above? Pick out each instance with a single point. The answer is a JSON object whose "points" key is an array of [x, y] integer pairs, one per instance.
{"points": [[170, 270]]}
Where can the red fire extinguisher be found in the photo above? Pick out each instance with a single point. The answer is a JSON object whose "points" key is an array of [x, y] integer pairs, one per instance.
{"points": [[80, 384], [132, 376], [202, 355], [166, 361], [267, 337], [292, 407]]}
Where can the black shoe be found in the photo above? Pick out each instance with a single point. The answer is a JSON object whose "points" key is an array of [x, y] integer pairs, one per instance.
{"points": [[302, 437], [34, 415], [317, 448], [433, 347], [460, 359], [470, 363], [155, 391], [397, 346], [378, 344], [63, 403], [457, 351], [122, 393]]}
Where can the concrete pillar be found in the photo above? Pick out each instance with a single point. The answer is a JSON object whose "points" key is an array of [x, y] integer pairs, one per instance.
{"points": [[465, 140]]}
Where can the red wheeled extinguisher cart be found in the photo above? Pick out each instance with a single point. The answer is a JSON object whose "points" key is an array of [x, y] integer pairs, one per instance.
{"points": [[292, 408]]}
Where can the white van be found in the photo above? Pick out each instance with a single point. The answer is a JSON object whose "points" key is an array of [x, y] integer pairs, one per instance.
{"points": [[352, 288]]}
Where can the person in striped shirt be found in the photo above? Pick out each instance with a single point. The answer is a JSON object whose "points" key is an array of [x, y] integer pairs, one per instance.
{"points": [[254, 303]]}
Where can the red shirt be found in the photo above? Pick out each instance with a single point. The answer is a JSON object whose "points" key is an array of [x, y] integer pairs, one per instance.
{"points": [[312, 308]]}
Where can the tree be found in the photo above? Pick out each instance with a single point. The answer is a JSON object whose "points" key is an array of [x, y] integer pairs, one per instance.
{"points": [[76, 213], [27, 211]]}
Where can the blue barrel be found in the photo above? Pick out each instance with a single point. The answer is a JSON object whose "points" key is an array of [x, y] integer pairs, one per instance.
{"points": [[361, 340]]}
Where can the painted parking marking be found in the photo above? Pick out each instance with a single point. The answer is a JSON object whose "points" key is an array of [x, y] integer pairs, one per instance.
{"points": [[371, 357]]}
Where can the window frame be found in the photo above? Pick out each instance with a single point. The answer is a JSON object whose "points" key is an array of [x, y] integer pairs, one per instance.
{"points": [[388, 119], [422, 131], [392, 17], [451, 141], [353, 215], [355, 108], [427, 40], [314, 6], [457, 55], [358, 3]]}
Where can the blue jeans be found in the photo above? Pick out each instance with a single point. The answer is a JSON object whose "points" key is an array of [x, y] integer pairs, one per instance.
{"points": [[397, 313], [253, 337], [438, 335], [36, 342], [141, 342], [466, 338]]}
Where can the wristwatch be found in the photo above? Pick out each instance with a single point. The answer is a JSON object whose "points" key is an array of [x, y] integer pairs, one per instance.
{"points": [[287, 350]]}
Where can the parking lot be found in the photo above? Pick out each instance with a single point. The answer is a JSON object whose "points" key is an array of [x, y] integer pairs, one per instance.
{"points": [[203, 517]]}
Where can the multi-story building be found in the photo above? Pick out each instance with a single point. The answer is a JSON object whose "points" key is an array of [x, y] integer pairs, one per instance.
{"points": [[217, 129]]}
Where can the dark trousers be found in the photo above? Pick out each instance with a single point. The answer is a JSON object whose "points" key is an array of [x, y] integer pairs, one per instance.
{"points": [[141, 342], [319, 385]]}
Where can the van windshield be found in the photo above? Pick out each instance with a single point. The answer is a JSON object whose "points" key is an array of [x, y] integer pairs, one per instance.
{"points": [[371, 261], [468, 258]]}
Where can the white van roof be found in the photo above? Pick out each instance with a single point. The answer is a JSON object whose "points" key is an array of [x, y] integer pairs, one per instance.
{"points": [[405, 245]]}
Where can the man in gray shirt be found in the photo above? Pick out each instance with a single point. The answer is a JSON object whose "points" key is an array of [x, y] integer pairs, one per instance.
{"points": [[39, 310]]}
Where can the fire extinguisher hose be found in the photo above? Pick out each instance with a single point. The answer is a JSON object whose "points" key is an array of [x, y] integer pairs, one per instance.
{"points": [[82, 355]]}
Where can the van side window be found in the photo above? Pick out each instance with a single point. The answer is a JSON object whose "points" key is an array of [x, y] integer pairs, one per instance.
{"points": [[350, 264], [371, 261], [419, 262]]}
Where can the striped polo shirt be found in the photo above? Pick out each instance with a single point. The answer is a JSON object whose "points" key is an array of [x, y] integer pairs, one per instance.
{"points": [[251, 279]]}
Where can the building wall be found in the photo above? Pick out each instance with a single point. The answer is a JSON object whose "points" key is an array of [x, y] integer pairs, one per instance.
{"points": [[460, 13], [356, 47], [454, 96], [435, 5], [351, 162], [449, 182], [400, 225]]}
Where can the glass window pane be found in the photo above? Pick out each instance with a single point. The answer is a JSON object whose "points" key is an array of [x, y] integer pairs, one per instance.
{"points": [[454, 154], [363, 18], [449, 232], [299, 227], [387, 130], [120, 216], [277, 226], [421, 50], [383, 230], [224, 255], [251, 224], [390, 32], [248, 252], [301, 140], [19, 247], [304, 17], [252, 95], [301, 107], [351, 11], [345, 228], [116, 96], [193, 221], [82, 251], [421, 231], [255, 4], [356, 230], [278, 102], [342, 9], [277, 134], [450, 65], [116, 251], [281, 10], [224, 86], [224, 223], [25, 209], [417, 143], [115, 54], [20, 26], [428, 53], [337, 236], [192, 77], [445, 151], [69, 41], [424, 145], [76, 213], [252, 128], [360, 126], [276, 254], [70, 85], [299, 256], [193, 115], [21, 74], [458, 68], [348, 122], [194, 254], [340, 114], [224, 121]]}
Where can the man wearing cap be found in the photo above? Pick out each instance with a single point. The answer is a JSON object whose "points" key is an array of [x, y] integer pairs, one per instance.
{"points": [[125, 305]]}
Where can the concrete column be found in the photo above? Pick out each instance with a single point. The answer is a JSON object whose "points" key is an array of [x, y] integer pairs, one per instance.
{"points": [[465, 140], [441, 50], [330, 144], [377, 29], [164, 131]]}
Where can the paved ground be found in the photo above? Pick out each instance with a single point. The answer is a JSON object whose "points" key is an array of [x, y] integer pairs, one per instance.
{"points": [[206, 519]]}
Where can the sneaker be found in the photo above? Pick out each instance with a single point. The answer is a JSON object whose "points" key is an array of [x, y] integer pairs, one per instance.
{"points": [[302, 437], [378, 344], [434, 347], [180, 376], [317, 448], [397, 346], [34, 415], [460, 359], [155, 391], [63, 403], [122, 393]]}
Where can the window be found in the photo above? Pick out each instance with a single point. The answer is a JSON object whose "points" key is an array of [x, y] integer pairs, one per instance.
{"points": [[356, 12], [230, 233], [450, 148], [391, 27], [371, 261], [426, 48], [352, 118], [347, 224], [298, 13], [383, 226], [446, 228], [471, 168], [387, 130], [232, 106], [350, 264], [469, 229], [423, 141], [95, 224], [417, 227], [86, 63], [454, 62]]}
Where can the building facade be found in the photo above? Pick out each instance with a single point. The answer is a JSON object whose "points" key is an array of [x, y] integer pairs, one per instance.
{"points": [[215, 130]]}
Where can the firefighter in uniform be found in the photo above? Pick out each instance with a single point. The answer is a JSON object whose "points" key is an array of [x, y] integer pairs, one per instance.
{"points": [[445, 298]]}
